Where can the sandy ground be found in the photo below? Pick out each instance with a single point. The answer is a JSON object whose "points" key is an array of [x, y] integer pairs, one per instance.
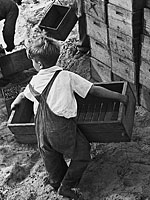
{"points": [[118, 171]]}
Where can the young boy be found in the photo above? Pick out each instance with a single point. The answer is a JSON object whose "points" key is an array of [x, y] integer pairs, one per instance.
{"points": [[55, 108]]}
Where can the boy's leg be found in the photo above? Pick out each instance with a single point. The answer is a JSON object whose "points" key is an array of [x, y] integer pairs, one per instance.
{"points": [[54, 164], [77, 166]]}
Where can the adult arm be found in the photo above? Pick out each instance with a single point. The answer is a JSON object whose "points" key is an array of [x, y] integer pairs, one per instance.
{"points": [[9, 28]]}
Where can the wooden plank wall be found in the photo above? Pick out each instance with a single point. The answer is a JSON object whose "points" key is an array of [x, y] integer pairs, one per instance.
{"points": [[115, 29]]}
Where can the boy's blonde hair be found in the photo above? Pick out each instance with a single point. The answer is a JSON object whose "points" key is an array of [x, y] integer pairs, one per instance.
{"points": [[45, 49]]}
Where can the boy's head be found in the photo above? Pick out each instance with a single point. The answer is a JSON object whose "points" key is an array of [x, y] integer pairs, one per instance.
{"points": [[44, 50]]}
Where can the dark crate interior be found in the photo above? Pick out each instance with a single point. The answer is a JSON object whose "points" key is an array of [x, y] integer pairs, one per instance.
{"points": [[54, 16], [14, 63], [94, 109], [90, 109]]}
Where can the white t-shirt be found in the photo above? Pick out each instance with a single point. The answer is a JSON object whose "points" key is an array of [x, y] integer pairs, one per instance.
{"points": [[61, 99]]}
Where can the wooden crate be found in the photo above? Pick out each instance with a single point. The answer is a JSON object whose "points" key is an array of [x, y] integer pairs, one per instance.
{"points": [[14, 62], [144, 74], [58, 21], [97, 29], [99, 71], [127, 22], [100, 52], [144, 97], [96, 9], [100, 120], [124, 68], [132, 5]]}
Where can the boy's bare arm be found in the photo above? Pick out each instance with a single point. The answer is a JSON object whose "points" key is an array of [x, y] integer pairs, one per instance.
{"points": [[105, 93], [17, 101]]}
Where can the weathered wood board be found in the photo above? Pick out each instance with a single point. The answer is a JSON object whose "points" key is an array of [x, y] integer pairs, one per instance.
{"points": [[99, 71], [124, 68], [124, 45], [101, 52], [145, 49], [96, 8], [97, 29], [129, 23], [144, 74], [132, 5], [146, 22], [144, 97]]}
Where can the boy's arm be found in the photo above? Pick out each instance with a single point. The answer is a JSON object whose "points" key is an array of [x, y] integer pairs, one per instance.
{"points": [[108, 94], [18, 100]]}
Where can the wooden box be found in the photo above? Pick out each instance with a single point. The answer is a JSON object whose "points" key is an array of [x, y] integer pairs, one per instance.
{"points": [[58, 21], [127, 22], [144, 97], [99, 71], [124, 68], [97, 29], [15, 62], [132, 5], [96, 9], [128, 47], [144, 74], [100, 120], [100, 51]]}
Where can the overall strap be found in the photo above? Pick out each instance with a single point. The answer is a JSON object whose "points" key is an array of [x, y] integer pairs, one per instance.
{"points": [[46, 90]]}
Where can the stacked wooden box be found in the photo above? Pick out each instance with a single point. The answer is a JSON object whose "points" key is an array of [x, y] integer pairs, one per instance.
{"points": [[125, 23], [97, 30], [144, 73]]}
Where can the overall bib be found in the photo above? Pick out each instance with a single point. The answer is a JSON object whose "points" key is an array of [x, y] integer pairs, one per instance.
{"points": [[58, 136]]}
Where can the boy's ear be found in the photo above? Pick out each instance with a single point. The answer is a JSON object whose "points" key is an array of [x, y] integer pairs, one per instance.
{"points": [[40, 64]]}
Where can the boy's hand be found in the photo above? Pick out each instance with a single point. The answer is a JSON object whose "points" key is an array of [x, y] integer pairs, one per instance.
{"points": [[17, 101]]}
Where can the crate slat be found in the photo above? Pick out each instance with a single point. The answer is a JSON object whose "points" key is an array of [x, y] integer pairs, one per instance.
{"points": [[132, 5], [126, 22], [96, 9]]}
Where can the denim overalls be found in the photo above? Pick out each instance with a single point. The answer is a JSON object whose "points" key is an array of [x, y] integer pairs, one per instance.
{"points": [[58, 136]]}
